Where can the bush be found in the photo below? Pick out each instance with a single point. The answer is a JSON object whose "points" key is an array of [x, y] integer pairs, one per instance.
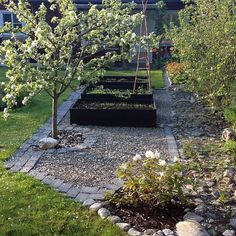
{"points": [[230, 115], [151, 181], [230, 146], [2, 94], [175, 72]]}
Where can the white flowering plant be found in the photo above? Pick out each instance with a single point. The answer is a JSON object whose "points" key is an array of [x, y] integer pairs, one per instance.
{"points": [[152, 181], [68, 46]]}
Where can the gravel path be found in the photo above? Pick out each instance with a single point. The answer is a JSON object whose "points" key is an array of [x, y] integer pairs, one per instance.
{"points": [[96, 166]]}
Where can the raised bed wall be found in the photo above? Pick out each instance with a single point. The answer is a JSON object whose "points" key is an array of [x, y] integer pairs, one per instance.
{"points": [[113, 117]]}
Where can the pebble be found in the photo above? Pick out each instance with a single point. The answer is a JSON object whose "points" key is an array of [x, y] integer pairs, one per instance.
{"points": [[88, 202], [193, 216], [229, 232], [114, 219], [168, 232], [159, 233], [124, 226], [200, 209], [149, 231], [233, 222], [229, 173], [134, 232], [104, 213], [47, 143], [190, 228], [233, 212], [96, 206]]}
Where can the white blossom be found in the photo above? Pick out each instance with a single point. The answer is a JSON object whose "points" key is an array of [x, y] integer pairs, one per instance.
{"points": [[150, 154], [176, 159], [162, 162], [157, 154], [137, 157], [161, 174]]}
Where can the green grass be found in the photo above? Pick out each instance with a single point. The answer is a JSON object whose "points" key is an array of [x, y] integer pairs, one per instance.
{"points": [[156, 76], [28, 207]]}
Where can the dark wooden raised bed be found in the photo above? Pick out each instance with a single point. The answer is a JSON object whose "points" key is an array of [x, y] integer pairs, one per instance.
{"points": [[113, 117]]}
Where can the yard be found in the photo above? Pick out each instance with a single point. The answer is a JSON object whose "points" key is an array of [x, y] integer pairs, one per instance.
{"points": [[28, 207]]}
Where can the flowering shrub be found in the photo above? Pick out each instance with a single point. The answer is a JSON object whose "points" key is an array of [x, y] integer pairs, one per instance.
{"points": [[175, 72], [152, 181]]}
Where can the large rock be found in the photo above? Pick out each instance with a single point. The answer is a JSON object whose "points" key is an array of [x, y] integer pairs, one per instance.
{"points": [[47, 143], [193, 228], [228, 134]]}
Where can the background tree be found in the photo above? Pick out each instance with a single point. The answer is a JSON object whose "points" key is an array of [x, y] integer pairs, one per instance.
{"points": [[71, 46], [205, 45]]}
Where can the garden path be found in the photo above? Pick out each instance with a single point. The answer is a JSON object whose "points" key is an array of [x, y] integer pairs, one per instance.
{"points": [[44, 165]]}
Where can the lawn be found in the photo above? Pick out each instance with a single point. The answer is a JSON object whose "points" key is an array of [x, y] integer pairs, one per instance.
{"points": [[28, 207], [156, 76]]}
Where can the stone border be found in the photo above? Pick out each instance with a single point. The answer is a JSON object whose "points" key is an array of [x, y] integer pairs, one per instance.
{"points": [[26, 158]]}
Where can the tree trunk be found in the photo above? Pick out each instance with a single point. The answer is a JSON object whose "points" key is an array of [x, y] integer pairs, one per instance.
{"points": [[54, 117]]}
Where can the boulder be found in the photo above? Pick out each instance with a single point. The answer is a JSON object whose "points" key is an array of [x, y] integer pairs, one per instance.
{"points": [[193, 228], [47, 143], [228, 134]]}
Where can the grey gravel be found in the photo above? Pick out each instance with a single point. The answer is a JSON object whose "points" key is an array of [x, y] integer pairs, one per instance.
{"points": [[96, 166]]}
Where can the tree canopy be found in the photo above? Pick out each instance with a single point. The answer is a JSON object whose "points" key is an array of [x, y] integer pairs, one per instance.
{"points": [[71, 45]]}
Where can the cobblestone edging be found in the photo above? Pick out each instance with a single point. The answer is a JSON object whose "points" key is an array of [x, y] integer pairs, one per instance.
{"points": [[26, 158]]}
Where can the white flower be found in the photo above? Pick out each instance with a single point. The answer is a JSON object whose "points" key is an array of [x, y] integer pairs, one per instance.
{"points": [[124, 166], [150, 154], [137, 157], [3, 83], [161, 174], [25, 100], [176, 159], [133, 35], [9, 96], [157, 154], [162, 162]]}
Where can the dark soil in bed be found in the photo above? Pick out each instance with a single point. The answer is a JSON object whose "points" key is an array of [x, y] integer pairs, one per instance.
{"points": [[107, 105], [147, 217]]}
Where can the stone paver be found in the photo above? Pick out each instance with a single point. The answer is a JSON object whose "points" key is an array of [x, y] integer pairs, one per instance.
{"points": [[82, 197], [89, 189], [65, 187], [73, 192]]}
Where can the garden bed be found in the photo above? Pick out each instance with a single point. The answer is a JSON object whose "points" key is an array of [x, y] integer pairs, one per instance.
{"points": [[147, 217], [122, 82], [96, 94], [113, 114]]}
